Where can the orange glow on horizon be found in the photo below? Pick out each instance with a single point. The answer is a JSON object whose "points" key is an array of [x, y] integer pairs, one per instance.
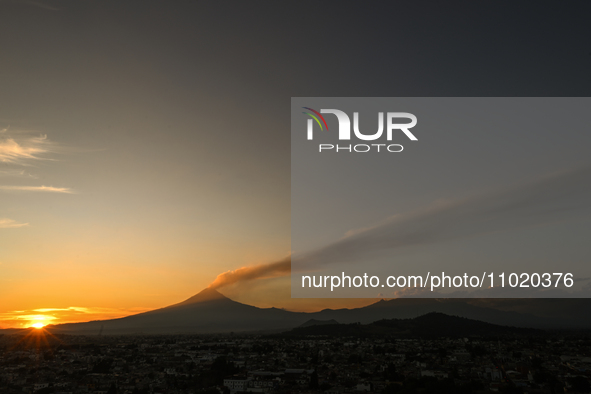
{"points": [[43, 317], [38, 321], [262, 293]]}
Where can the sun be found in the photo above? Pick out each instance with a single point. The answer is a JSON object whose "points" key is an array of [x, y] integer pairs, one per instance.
{"points": [[38, 325]]}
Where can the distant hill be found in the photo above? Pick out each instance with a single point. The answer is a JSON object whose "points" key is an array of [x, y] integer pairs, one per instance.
{"points": [[211, 312], [431, 325], [314, 322]]}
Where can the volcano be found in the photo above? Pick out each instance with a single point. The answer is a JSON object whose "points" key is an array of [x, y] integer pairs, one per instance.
{"points": [[209, 311]]}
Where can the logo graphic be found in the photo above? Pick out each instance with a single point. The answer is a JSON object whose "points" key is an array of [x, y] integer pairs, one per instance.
{"points": [[315, 118], [345, 129]]}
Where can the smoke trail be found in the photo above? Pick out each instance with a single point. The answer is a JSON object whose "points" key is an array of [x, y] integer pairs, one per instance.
{"points": [[554, 197], [271, 270]]}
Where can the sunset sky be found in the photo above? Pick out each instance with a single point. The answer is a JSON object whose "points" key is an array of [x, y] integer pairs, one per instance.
{"points": [[145, 145]]}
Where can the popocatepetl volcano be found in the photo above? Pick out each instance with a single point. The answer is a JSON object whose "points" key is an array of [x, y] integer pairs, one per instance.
{"points": [[209, 311]]}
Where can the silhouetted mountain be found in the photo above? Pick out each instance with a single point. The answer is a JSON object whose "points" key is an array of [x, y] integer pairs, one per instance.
{"points": [[431, 325], [206, 312], [204, 295], [406, 308], [211, 312], [314, 322]]}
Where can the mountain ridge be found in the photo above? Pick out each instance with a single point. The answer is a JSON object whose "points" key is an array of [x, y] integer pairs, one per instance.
{"points": [[209, 311], [430, 325]]}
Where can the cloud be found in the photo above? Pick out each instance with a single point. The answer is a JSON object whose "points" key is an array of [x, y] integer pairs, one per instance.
{"points": [[72, 314], [21, 151], [278, 268], [44, 310], [9, 223], [49, 189], [15, 174], [35, 317], [73, 308]]}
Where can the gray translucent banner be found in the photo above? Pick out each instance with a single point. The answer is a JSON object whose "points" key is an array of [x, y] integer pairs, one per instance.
{"points": [[440, 197]]}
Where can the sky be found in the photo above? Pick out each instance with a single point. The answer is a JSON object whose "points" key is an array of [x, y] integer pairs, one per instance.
{"points": [[145, 145], [494, 184]]}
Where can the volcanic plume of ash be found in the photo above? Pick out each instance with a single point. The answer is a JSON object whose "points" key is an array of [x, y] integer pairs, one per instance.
{"points": [[271, 270], [555, 197]]}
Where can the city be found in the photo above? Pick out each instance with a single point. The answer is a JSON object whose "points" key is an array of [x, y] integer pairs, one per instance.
{"points": [[297, 361]]}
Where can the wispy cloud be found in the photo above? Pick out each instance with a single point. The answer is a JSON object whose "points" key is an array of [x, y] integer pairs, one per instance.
{"points": [[72, 314], [71, 308], [9, 223], [16, 174], [20, 148], [21, 151], [49, 189]]}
